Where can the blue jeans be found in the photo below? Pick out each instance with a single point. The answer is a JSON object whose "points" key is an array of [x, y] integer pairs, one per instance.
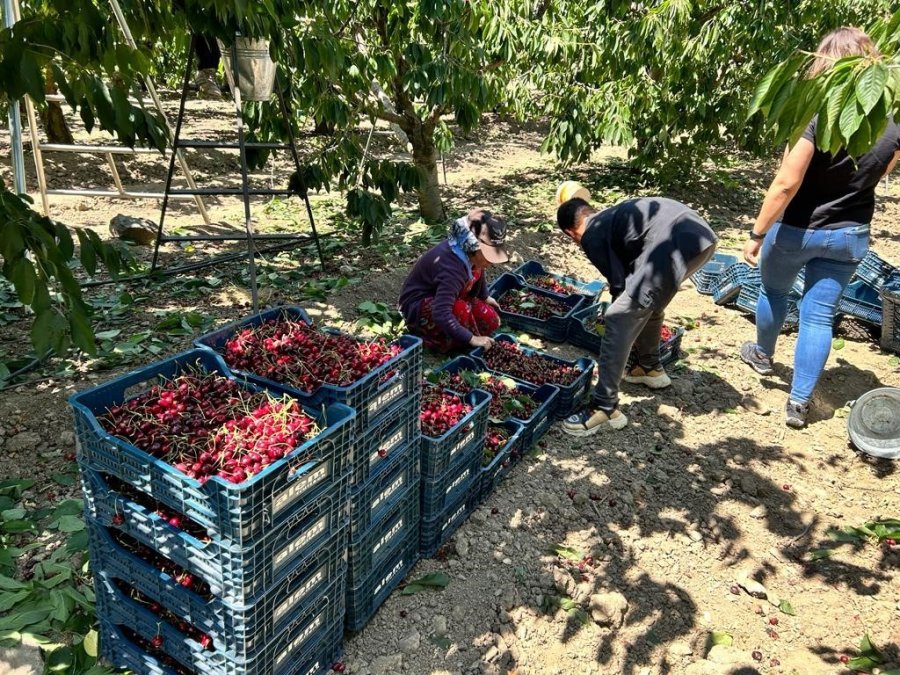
{"points": [[830, 258]]}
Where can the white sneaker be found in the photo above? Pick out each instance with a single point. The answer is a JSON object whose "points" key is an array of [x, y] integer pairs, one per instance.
{"points": [[654, 379]]}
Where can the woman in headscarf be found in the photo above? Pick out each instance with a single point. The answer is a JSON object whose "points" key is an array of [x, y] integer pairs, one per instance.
{"points": [[445, 299]]}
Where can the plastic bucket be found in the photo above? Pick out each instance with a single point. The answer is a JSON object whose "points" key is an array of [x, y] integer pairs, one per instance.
{"points": [[874, 423]]}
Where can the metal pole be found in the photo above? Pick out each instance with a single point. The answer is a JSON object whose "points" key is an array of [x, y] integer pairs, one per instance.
{"points": [[245, 179], [15, 119]]}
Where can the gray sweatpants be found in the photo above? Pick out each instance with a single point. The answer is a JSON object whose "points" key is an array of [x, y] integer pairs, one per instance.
{"points": [[628, 324]]}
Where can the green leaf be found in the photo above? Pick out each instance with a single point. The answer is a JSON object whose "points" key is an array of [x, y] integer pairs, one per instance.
{"points": [[786, 608], [870, 86], [851, 116], [567, 552], [720, 637], [70, 524], [442, 642], [24, 279], [21, 620], [77, 542], [10, 599], [820, 554], [70, 507], [13, 514], [837, 344], [82, 334], [9, 584], [18, 526], [433, 580], [65, 479]]}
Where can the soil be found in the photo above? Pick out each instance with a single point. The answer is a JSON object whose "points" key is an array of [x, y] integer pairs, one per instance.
{"points": [[706, 485]]}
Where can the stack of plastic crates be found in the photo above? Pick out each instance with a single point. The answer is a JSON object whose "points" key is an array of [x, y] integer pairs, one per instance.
{"points": [[384, 472], [874, 270], [451, 468], [707, 276], [215, 577], [862, 301], [890, 301], [732, 279]]}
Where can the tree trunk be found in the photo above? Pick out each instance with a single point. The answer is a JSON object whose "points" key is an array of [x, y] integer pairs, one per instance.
{"points": [[52, 118], [425, 159]]}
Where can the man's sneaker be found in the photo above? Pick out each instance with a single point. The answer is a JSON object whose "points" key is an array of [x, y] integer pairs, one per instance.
{"points": [[795, 414], [207, 87], [754, 357], [589, 422], [654, 379]]}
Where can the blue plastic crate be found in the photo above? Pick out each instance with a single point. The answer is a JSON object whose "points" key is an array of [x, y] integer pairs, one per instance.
{"points": [[570, 396], [890, 303], [441, 491], [236, 574], [707, 276], [392, 434], [874, 270], [438, 455], [309, 644], [369, 549], [589, 290], [240, 512], [502, 463], [368, 594], [537, 424], [748, 298], [371, 501], [861, 301], [238, 630], [581, 334], [437, 531], [731, 280], [371, 397], [554, 328]]}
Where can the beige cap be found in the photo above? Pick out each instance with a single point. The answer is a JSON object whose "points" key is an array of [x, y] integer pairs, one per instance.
{"points": [[571, 189]]}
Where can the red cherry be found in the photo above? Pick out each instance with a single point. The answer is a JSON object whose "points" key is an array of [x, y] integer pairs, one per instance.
{"points": [[844, 658], [157, 641], [118, 519]]}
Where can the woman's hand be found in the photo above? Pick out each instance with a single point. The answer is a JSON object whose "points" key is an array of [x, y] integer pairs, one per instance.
{"points": [[481, 341], [492, 302], [751, 251]]}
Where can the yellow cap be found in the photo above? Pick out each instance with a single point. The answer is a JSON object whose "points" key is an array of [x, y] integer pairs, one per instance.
{"points": [[571, 189]]}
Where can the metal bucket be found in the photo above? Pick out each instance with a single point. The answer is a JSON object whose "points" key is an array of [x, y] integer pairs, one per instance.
{"points": [[874, 423], [255, 68]]}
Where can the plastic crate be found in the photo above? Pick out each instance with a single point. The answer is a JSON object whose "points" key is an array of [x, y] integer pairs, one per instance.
{"points": [[369, 549], [570, 396], [438, 455], [874, 270], [580, 333], [502, 462], [554, 328], [240, 512], [748, 298], [861, 301], [308, 645], [731, 280], [365, 597], [370, 502], [238, 630], [589, 290], [540, 420], [707, 276], [890, 303], [437, 531], [371, 397], [440, 492], [237, 574], [377, 446]]}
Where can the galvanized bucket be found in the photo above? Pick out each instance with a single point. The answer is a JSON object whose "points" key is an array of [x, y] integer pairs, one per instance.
{"points": [[255, 68], [874, 423]]}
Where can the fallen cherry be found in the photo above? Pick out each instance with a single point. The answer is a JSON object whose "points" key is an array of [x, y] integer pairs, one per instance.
{"points": [[890, 543], [206, 641], [402, 613], [758, 610], [772, 634], [757, 655], [844, 658], [774, 662], [69, 456], [786, 487], [735, 590], [495, 511], [773, 620], [339, 667], [157, 642]]}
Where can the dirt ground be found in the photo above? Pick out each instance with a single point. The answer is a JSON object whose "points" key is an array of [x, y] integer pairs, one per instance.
{"points": [[707, 485]]}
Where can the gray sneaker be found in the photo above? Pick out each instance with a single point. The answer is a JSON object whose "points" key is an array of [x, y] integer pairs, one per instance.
{"points": [[754, 357], [795, 414]]}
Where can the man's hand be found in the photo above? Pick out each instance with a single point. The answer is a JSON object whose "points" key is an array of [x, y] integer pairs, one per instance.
{"points": [[481, 341], [751, 251], [492, 302]]}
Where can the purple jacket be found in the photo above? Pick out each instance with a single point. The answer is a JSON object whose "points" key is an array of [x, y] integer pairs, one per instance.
{"points": [[439, 274]]}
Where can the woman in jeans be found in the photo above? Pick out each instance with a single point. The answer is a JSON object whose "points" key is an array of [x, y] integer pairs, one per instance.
{"points": [[815, 218]]}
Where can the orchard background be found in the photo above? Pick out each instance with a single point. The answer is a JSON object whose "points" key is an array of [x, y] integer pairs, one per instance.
{"points": [[481, 104]]}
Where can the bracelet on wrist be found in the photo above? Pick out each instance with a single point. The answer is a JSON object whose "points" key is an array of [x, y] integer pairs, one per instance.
{"points": [[756, 237]]}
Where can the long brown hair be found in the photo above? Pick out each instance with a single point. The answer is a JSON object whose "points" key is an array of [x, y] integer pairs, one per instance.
{"points": [[842, 42]]}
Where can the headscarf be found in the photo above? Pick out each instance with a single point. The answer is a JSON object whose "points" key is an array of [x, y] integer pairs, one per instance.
{"points": [[463, 241]]}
